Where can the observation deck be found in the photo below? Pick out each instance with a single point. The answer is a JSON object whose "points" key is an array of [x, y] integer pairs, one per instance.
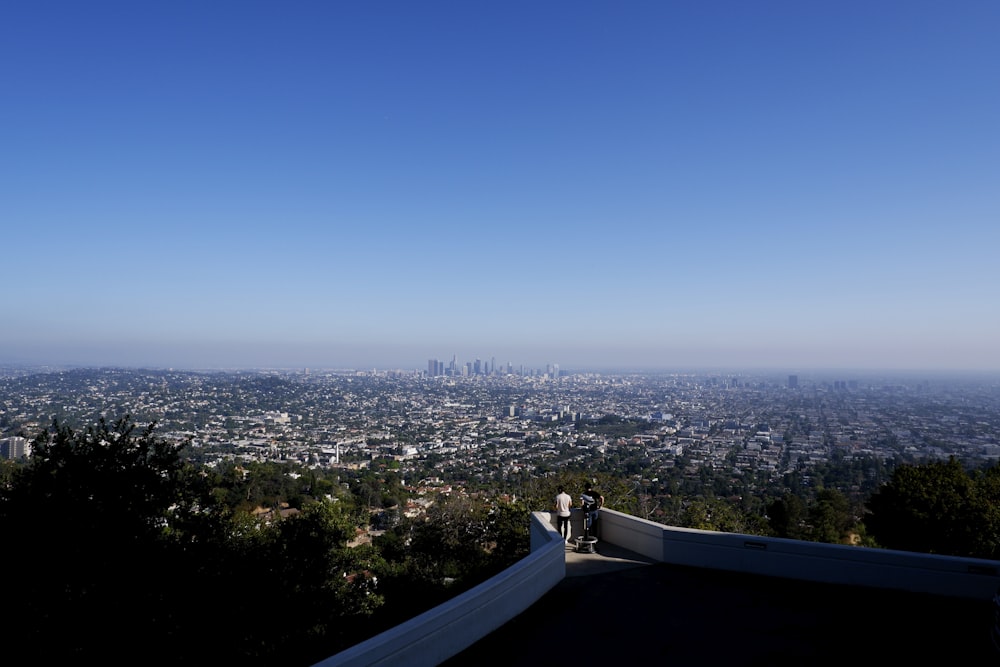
{"points": [[654, 594], [647, 613]]}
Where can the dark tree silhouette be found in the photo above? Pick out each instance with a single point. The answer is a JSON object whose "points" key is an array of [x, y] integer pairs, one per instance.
{"points": [[938, 507], [786, 516], [85, 517], [125, 548]]}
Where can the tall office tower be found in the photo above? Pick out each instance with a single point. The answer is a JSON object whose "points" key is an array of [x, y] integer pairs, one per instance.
{"points": [[432, 366], [493, 365], [793, 381], [478, 367]]}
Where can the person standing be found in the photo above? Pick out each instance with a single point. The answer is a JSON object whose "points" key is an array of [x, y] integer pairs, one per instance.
{"points": [[592, 502], [563, 505]]}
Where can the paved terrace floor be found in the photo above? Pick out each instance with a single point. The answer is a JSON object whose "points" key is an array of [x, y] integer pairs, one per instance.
{"points": [[646, 613]]}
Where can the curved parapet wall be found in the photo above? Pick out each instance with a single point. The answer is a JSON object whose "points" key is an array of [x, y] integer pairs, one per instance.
{"points": [[449, 628], [952, 576]]}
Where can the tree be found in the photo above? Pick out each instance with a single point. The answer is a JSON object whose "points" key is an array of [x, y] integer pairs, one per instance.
{"points": [[451, 541], [716, 514], [936, 508], [121, 538], [507, 534], [830, 517], [786, 515], [323, 591], [985, 517], [87, 515]]}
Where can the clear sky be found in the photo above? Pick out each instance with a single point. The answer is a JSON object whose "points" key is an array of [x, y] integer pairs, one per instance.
{"points": [[372, 184]]}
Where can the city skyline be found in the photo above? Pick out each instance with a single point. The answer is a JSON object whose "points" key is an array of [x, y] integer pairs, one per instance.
{"points": [[727, 185]]}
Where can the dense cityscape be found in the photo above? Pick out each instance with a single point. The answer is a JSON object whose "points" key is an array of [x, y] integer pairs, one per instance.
{"points": [[472, 423], [362, 498]]}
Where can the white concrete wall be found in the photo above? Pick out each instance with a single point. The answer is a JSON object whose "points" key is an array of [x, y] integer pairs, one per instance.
{"points": [[811, 561], [455, 625], [635, 534], [446, 630], [576, 518]]}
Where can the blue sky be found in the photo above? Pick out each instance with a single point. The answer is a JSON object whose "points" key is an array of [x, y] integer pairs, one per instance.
{"points": [[593, 184]]}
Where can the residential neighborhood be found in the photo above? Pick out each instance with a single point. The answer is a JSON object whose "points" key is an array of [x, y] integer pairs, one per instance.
{"points": [[473, 427]]}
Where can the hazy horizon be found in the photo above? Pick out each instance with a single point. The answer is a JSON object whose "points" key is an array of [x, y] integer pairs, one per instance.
{"points": [[656, 185], [210, 362]]}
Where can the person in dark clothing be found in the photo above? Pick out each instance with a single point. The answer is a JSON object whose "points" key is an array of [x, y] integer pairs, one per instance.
{"points": [[592, 502]]}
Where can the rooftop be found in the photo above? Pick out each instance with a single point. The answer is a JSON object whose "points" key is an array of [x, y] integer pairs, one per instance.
{"points": [[618, 607]]}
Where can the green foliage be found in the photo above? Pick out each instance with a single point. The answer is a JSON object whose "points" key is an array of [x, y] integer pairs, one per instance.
{"points": [[613, 426], [830, 517], [507, 535], [461, 542], [7, 468], [450, 541], [717, 514], [124, 539], [466, 540], [261, 484], [985, 518], [374, 491], [301, 566], [787, 516], [88, 515], [938, 507]]}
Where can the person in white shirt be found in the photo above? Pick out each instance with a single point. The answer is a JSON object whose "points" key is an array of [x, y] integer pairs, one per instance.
{"points": [[563, 505]]}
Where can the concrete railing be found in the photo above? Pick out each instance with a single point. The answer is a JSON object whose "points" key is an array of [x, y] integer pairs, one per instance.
{"points": [[811, 561], [446, 630], [449, 628]]}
